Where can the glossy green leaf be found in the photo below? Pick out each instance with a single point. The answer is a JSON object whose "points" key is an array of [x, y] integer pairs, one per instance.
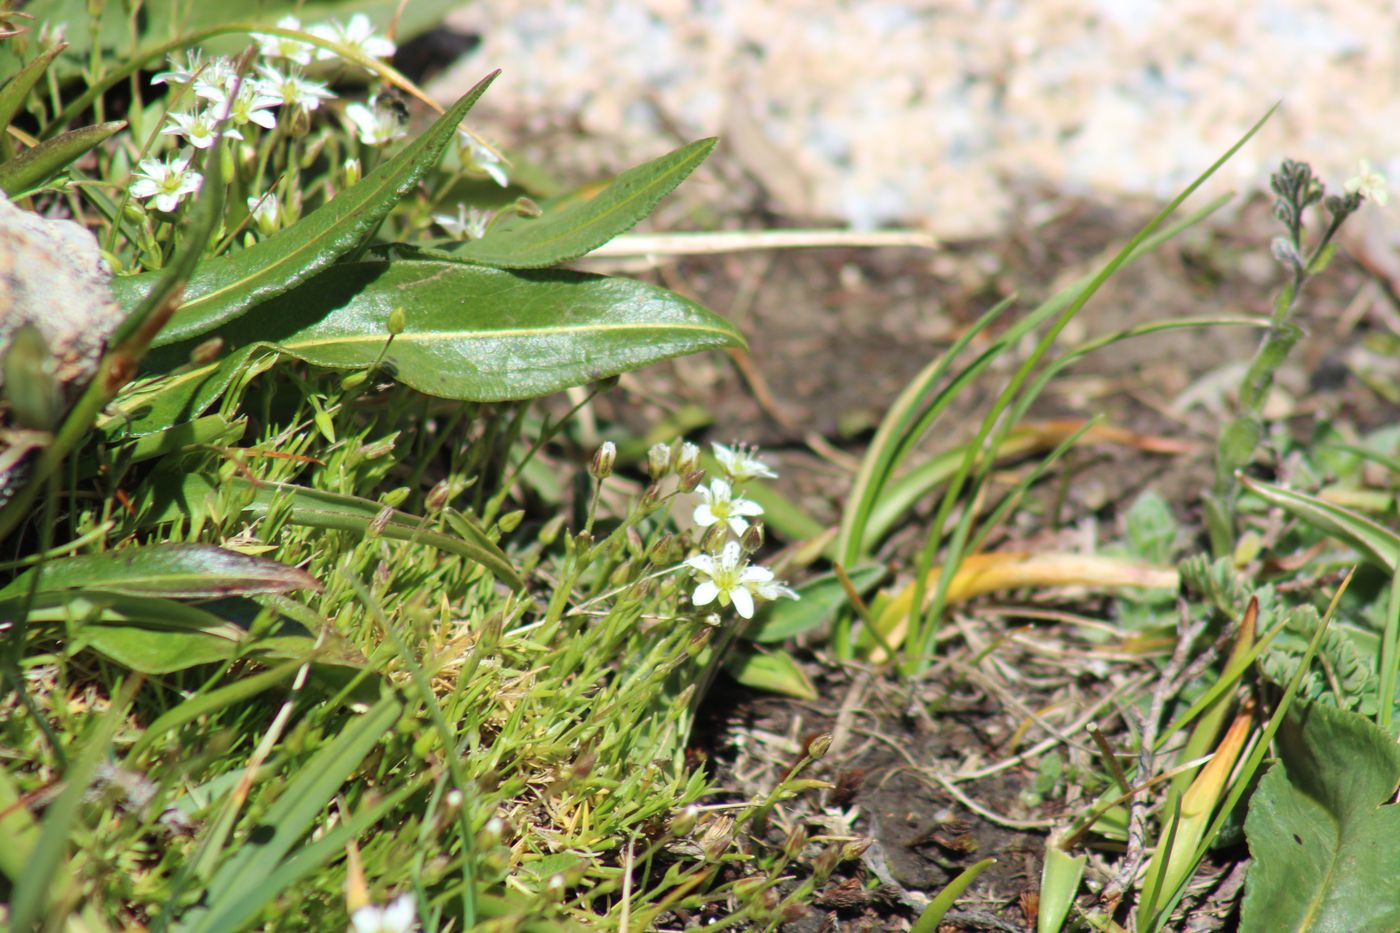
{"points": [[1322, 827], [584, 221], [32, 167], [161, 403], [773, 671], [316, 509], [819, 600], [222, 289], [237, 891], [483, 334], [211, 429], [1371, 539], [188, 571]]}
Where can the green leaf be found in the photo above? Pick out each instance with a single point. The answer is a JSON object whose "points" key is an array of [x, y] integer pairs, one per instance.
{"points": [[206, 703], [483, 334], [1370, 539], [1322, 827], [818, 601], [933, 914], [33, 167], [165, 401], [16, 90], [189, 571], [211, 429], [1059, 884], [222, 289], [583, 221], [316, 509], [773, 671], [237, 890], [1151, 528]]}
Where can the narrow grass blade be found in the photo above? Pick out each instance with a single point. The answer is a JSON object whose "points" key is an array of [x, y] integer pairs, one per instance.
{"points": [[33, 167], [239, 888], [938, 907], [204, 704], [1369, 538]]}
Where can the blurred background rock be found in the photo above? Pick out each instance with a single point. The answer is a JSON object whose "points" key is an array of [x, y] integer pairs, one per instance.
{"points": [[956, 117]]}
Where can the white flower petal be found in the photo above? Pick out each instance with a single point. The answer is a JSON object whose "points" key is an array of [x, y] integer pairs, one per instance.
{"points": [[702, 563], [705, 593], [704, 515], [743, 602]]}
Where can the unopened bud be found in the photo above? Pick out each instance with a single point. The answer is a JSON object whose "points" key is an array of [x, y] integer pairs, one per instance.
{"points": [[439, 495], [134, 212], [353, 172], [379, 448], [714, 841], [666, 551], [819, 746], [550, 532], [687, 458], [395, 497], [794, 911], [746, 889], [492, 834], [651, 499], [683, 822], [526, 207], [398, 320], [554, 888], [601, 466], [854, 850], [381, 521], [658, 461], [795, 842], [716, 536], [690, 480], [354, 380], [635, 546], [826, 863], [752, 538], [510, 521], [207, 351], [453, 800]]}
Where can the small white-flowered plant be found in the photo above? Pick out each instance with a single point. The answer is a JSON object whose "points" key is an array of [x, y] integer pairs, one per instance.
{"points": [[200, 127], [167, 181], [182, 74], [357, 34], [721, 505], [466, 224], [266, 212], [292, 89], [216, 80], [741, 462], [397, 916], [251, 105], [374, 126], [284, 46], [732, 579], [477, 158], [1369, 183]]}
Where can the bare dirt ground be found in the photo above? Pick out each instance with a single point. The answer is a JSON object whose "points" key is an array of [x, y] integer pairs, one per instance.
{"points": [[834, 336]]}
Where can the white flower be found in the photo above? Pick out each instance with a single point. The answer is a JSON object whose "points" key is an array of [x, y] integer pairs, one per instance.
{"points": [[266, 212], [357, 34], [741, 462], [168, 182], [291, 89], [251, 105], [720, 505], [398, 916], [215, 80], [200, 128], [733, 579], [1368, 183], [283, 46], [466, 224], [182, 74], [477, 158], [375, 126]]}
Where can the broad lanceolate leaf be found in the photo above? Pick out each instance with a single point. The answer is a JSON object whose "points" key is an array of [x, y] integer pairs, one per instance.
{"points": [[483, 334], [190, 571], [1322, 829], [1372, 540], [222, 289], [584, 221], [174, 399], [317, 509], [33, 167], [774, 671]]}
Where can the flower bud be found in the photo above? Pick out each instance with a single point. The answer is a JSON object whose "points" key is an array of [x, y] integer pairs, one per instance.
{"points": [[651, 499], [658, 461], [795, 842], [716, 536], [353, 172], [819, 746], [526, 207], [690, 480], [604, 457], [381, 521], [752, 538], [854, 850], [664, 552], [826, 863], [748, 888], [687, 458], [439, 495], [714, 841], [354, 380], [453, 800], [395, 497], [510, 521], [683, 822], [635, 546], [207, 351], [398, 320], [550, 532]]}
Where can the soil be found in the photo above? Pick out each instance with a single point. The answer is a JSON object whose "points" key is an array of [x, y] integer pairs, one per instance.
{"points": [[834, 336]]}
